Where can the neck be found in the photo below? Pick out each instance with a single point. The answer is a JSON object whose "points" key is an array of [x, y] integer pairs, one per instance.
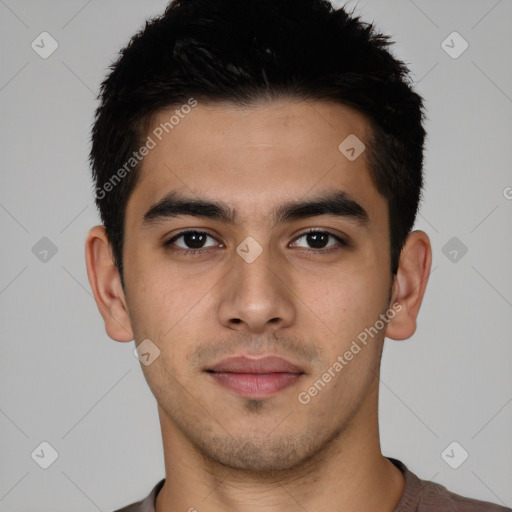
{"points": [[350, 473]]}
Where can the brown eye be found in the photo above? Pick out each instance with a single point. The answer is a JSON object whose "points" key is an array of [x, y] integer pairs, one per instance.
{"points": [[192, 240], [316, 239]]}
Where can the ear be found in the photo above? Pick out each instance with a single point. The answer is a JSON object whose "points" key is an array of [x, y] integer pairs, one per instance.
{"points": [[409, 285], [106, 285]]}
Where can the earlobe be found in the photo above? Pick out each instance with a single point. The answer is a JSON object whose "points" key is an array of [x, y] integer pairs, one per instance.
{"points": [[410, 284], [106, 285]]}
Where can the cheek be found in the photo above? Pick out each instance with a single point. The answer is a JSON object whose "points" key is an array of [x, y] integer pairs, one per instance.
{"points": [[346, 300], [152, 300], [171, 307]]}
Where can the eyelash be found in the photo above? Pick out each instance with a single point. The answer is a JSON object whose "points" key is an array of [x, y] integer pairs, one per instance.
{"points": [[197, 252]]}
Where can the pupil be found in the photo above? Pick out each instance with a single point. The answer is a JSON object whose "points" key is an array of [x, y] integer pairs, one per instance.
{"points": [[194, 240], [317, 240]]}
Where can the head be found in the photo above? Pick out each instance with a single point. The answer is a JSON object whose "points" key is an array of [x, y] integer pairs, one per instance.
{"points": [[230, 118]]}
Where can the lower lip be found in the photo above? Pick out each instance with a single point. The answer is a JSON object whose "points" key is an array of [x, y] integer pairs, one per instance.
{"points": [[256, 385]]}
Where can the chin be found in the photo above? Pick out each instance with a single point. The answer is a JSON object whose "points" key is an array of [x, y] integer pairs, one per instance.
{"points": [[269, 454]]}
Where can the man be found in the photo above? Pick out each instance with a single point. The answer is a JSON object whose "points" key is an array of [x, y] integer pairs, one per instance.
{"points": [[258, 170]]}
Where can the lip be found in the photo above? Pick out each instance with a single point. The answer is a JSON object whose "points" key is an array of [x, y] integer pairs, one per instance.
{"points": [[255, 378], [243, 364]]}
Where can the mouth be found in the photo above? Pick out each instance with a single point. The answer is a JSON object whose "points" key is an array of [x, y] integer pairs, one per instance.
{"points": [[255, 378]]}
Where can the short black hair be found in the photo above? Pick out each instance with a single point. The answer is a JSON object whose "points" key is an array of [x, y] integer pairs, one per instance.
{"points": [[248, 51]]}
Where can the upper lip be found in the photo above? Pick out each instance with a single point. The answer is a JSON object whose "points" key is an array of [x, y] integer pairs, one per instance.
{"points": [[269, 364]]}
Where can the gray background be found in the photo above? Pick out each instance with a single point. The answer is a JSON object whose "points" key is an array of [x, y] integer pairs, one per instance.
{"points": [[65, 382]]}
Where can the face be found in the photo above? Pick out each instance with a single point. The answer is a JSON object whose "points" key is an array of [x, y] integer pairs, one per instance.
{"points": [[218, 287]]}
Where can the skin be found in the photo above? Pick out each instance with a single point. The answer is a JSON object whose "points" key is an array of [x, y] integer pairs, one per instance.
{"points": [[223, 451]]}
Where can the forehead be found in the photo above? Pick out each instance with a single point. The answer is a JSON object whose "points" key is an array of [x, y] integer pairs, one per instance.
{"points": [[254, 156]]}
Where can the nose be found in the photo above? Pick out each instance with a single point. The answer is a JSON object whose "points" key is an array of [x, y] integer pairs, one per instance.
{"points": [[256, 297]]}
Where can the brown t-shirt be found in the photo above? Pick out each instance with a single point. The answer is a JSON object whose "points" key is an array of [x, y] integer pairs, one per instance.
{"points": [[419, 496]]}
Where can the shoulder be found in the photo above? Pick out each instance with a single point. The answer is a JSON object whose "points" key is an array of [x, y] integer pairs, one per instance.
{"points": [[425, 496], [134, 507], [147, 504]]}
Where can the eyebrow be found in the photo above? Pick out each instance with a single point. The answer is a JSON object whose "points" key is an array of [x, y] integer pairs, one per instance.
{"points": [[337, 203]]}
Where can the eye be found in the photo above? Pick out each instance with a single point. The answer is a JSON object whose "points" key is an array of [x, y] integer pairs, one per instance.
{"points": [[194, 242], [191, 242], [318, 240]]}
